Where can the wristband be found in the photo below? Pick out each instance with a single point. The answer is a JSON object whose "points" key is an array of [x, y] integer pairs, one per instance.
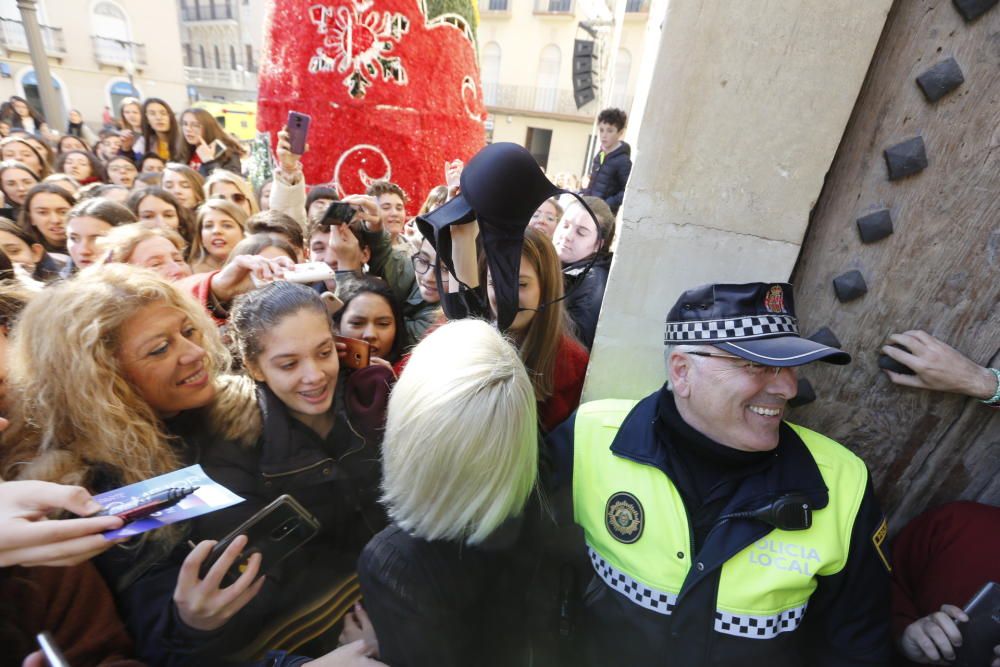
{"points": [[994, 401]]}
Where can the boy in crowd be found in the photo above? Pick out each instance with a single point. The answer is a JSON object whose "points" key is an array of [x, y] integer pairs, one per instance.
{"points": [[612, 165], [391, 202]]}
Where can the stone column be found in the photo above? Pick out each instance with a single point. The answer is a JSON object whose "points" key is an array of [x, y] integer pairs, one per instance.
{"points": [[746, 106]]}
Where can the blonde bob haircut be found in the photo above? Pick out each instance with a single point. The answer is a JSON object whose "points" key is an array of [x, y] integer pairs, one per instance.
{"points": [[74, 411], [238, 182], [121, 241], [460, 452]]}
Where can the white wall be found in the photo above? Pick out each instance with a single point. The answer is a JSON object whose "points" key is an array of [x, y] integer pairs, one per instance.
{"points": [[746, 108]]}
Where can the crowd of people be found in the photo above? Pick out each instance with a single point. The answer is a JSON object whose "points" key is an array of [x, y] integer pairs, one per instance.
{"points": [[151, 318]]}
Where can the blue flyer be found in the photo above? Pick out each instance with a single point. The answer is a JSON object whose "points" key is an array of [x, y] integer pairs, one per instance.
{"points": [[207, 496]]}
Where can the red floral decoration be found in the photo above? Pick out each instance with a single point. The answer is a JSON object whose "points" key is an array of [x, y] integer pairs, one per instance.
{"points": [[392, 93]]}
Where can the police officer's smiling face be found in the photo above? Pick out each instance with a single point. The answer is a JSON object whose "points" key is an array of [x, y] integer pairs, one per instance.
{"points": [[730, 402]]}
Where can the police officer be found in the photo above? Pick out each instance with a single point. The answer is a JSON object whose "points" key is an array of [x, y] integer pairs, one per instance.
{"points": [[717, 531]]}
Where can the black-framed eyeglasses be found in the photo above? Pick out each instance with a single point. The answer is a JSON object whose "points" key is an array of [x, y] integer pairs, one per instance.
{"points": [[420, 264], [751, 367]]}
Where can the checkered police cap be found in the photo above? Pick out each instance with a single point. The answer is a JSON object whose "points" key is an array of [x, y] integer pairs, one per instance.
{"points": [[755, 321]]}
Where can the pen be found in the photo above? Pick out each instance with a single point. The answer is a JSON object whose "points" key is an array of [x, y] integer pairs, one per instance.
{"points": [[152, 504]]}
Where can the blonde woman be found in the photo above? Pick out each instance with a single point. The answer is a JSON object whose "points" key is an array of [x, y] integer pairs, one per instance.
{"points": [[459, 462], [146, 397], [219, 226], [232, 187]]}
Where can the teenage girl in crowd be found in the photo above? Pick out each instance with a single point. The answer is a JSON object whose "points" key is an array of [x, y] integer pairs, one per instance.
{"points": [[154, 205], [159, 128], [556, 361], [18, 148], [16, 178], [302, 426], [148, 387], [75, 127], [197, 147], [130, 124], [122, 171], [83, 166], [223, 184], [372, 314], [20, 115], [219, 226], [185, 184], [44, 215], [23, 250], [546, 217], [578, 241], [87, 223], [68, 142]]}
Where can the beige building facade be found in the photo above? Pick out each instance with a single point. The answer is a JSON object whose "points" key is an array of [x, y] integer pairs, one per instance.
{"points": [[526, 59], [99, 52], [221, 41]]}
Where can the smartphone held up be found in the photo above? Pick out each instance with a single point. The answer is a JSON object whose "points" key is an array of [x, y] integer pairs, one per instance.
{"points": [[298, 131]]}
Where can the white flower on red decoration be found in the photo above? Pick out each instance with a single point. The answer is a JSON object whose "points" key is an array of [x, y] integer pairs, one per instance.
{"points": [[358, 41]]}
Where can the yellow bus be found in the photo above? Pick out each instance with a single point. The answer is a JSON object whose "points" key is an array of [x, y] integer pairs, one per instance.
{"points": [[237, 118]]}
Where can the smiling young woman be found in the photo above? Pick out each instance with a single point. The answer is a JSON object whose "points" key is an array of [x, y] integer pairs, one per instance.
{"points": [[308, 430], [219, 226]]}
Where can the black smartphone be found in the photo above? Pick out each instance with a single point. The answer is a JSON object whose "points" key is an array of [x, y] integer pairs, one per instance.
{"points": [[982, 632], [339, 213], [51, 650], [275, 532], [298, 131]]}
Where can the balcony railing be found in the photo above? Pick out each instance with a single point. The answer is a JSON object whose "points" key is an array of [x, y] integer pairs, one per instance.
{"points": [[544, 100], [553, 6], [230, 79], [118, 52], [494, 6], [13, 37], [533, 98], [208, 11]]}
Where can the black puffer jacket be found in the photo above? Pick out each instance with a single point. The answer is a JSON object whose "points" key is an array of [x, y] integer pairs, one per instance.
{"points": [[586, 292], [607, 180], [259, 451]]}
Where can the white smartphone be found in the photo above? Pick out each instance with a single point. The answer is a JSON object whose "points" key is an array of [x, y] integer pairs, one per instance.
{"points": [[310, 272]]}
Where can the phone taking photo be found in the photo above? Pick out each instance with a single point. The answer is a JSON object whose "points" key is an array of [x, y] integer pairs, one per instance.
{"points": [[275, 532], [359, 352], [310, 272], [339, 213], [298, 131]]}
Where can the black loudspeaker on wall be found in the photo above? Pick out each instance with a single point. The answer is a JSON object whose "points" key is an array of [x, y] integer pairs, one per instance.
{"points": [[584, 69]]}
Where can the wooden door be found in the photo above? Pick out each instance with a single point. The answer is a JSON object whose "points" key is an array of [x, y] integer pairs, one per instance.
{"points": [[938, 271]]}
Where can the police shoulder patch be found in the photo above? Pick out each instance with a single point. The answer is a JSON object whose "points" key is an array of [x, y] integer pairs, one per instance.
{"points": [[624, 517], [878, 538]]}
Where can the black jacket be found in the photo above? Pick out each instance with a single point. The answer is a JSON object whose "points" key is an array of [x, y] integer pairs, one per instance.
{"points": [[607, 180], [847, 620], [230, 161], [335, 478], [439, 604], [586, 292]]}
